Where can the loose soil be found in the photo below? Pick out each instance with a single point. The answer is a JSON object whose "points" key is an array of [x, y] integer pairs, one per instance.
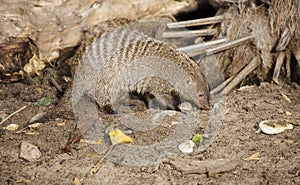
{"points": [[279, 161]]}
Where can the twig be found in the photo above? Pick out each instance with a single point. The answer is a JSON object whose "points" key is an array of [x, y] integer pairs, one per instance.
{"points": [[200, 48], [228, 45], [278, 65], [221, 86], [56, 85], [96, 168], [12, 114], [189, 33], [196, 22], [247, 70]]}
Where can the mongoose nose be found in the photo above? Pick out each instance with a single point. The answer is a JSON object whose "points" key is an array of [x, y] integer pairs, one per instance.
{"points": [[203, 105], [206, 107]]}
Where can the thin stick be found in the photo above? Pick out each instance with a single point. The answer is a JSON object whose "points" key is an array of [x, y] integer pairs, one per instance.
{"points": [[56, 85], [228, 45], [288, 64], [221, 86], [12, 114], [196, 22], [278, 65], [200, 48], [96, 168], [189, 33], [247, 70]]}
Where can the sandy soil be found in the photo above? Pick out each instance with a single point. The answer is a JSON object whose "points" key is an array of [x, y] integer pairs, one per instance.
{"points": [[278, 161]]}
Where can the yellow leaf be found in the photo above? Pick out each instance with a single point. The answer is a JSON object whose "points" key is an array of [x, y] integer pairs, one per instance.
{"points": [[117, 136], [76, 181]]}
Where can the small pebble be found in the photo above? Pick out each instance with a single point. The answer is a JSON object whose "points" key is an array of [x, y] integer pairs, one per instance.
{"points": [[29, 152], [288, 113], [187, 147], [185, 107], [128, 131], [11, 127], [37, 117], [109, 128]]}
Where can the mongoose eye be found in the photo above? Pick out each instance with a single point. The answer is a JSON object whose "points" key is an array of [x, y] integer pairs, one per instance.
{"points": [[201, 95]]}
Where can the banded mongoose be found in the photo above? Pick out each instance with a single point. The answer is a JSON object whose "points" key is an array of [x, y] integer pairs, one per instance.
{"points": [[124, 60]]}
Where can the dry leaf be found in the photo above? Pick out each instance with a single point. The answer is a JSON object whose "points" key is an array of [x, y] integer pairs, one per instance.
{"points": [[12, 127], [35, 65], [286, 98], [61, 123], [34, 126], [288, 141], [117, 136], [253, 157], [76, 181]]}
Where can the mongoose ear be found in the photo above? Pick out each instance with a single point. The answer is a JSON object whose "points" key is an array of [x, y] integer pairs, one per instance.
{"points": [[190, 82], [174, 93]]}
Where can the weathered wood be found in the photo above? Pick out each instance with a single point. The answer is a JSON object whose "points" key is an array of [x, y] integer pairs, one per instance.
{"points": [[228, 45], [196, 22], [221, 86], [189, 33], [279, 62], [288, 64], [242, 75], [284, 40], [200, 48]]}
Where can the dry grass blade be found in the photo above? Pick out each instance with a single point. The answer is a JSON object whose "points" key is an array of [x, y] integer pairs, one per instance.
{"points": [[196, 22], [228, 45], [12, 114], [193, 33], [242, 75]]}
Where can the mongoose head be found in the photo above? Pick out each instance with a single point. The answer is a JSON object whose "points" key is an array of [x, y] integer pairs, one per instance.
{"points": [[196, 92]]}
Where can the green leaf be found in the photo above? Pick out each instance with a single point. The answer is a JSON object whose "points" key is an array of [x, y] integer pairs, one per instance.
{"points": [[43, 102], [197, 138]]}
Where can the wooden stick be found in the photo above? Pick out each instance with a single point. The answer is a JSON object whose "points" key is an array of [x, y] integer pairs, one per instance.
{"points": [[189, 33], [199, 40], [284, 40], [12, 114], [196, 22], [221, 86], [200, 48], [246, 71], [278, 65], [97, 166], [228, 45], [288, 64]]}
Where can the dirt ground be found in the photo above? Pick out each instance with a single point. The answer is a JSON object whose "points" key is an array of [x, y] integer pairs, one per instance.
{"points": [[278, 161]]}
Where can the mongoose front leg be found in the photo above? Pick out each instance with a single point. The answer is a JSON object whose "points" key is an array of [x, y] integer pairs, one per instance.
{"points": [[162, 101]]}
